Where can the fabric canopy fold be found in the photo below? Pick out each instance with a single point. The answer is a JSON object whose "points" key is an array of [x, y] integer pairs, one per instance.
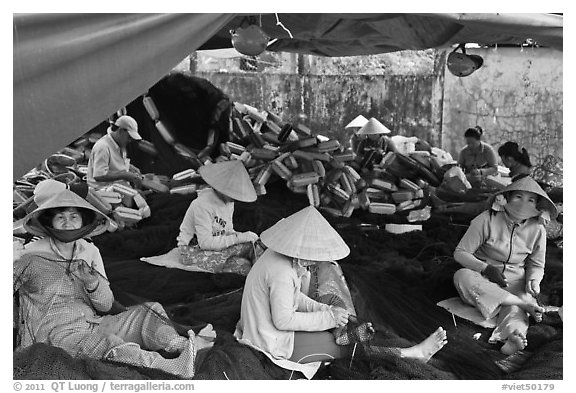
{"points": [[71, 71], [365, 34]]}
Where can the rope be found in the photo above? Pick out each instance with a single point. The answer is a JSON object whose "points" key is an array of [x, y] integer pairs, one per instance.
{"points": [[278, 23]]}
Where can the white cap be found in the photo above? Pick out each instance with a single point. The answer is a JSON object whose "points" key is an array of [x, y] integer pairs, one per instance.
{"points": [[129, 124]]}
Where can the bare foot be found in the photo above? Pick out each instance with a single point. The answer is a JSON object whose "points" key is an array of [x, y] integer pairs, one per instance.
{"points": [[534, 310], [514, 343], [427, 348], [183, 365], [204, 339]]}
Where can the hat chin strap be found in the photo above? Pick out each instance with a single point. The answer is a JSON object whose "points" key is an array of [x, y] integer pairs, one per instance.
{"points": [[70, 235]]}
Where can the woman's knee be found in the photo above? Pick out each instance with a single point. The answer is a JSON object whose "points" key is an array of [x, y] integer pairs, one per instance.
{"points": [[464, 276]]}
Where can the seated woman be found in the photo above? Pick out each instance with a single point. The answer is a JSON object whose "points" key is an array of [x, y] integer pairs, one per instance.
{"points": [[289, 327], [478, 159], [372, 137], [518, 161], [64, 295], [207, 237], [503, 255], [520, 166], [358, 122]]}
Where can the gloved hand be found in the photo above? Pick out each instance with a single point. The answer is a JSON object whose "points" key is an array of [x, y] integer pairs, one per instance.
{"points": [[135, 179], [247, 237], [494, 274]]}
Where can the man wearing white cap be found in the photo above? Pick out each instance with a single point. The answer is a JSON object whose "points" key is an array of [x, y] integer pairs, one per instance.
{"points": [[108, 161]]}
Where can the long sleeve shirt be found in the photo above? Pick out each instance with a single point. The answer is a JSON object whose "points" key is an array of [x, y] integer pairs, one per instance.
{"points": [[518, 249], [52, 301], [273, 307], [208, 219]]}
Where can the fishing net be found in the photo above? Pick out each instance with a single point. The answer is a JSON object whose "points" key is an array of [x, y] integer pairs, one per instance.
{"points": [[395, 282]]}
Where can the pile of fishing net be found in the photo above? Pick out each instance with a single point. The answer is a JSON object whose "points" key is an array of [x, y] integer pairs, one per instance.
{"points": [[395, 281]]}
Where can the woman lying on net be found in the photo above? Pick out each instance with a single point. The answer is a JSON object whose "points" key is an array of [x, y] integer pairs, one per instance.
{"points": [[503, 255], [64, 295], [289, 327]]}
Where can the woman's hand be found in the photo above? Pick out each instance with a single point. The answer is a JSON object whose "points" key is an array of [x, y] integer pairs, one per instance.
{"points": [[340, 316], [494, 274], [88, 275], [533, 288], [247, 237]]}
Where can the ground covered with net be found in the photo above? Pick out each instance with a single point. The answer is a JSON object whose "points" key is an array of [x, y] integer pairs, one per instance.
{"points": [[395, 281]]}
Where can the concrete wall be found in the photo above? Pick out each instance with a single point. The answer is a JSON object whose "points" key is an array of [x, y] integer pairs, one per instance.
{"points": [[516, 95], [328, 102]]}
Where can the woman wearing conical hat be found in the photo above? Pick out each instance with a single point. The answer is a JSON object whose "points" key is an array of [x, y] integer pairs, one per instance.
{"points": [[503, 255], [355, 125], [207, 237], [290, 328], [373, 137], [63, 292]]}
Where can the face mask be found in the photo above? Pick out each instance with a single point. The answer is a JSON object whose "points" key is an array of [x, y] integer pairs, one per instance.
{"points": [[70, 235], [520, 210]]}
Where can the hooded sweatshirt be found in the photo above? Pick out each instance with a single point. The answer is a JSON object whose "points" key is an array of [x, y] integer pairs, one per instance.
{"points": [[519, 249]]}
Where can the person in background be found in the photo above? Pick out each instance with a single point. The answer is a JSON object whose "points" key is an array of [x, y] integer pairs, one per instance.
{"points": [[108, 162], [207, 237], [503, 255], [65, 297], [358, 122], [290, 328], [373, 138], [478, 159], [518, 161]]}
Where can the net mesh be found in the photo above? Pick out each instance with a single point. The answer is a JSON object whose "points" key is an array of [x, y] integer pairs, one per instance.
{"points": [[395, 281]]}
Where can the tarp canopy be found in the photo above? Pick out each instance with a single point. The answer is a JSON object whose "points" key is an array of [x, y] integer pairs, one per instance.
{"points": [[364, 34], [71, 71]]}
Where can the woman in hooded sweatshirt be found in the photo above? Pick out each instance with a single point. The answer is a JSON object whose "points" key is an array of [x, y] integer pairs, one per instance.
{"points": [[65, 295], [207, 237], [503, 255], [290, 328]]}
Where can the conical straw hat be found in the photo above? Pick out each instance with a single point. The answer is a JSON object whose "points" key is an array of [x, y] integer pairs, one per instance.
{"points": [[529, 184], [231, 179], [358, 122], [373, 127], [45, 189], [306, 235], [65, 198]]}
